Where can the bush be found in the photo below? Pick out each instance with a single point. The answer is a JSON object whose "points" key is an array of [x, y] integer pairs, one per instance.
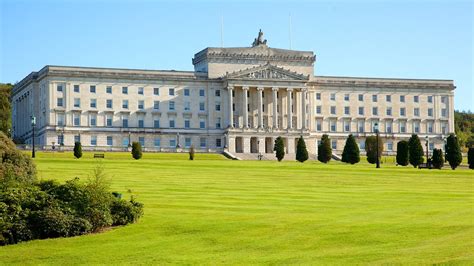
{"points": [[191, 153], [77, 150], [301, 151], [470, 158], [324, 149], [16, 168], [415, 149], [371, 148], [453, 151], [437, 159], [125, 212], [402, 153], [136, 150], [351, 153], [279, 148]]}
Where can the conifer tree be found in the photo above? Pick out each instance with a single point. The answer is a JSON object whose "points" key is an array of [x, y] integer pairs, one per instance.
{"points": [[470, 158], [371, 148], [324, 149], [453, 151], [301, 151], [136, 150], [415, 149], [351, 153], [77, 150], [279, 148], [402, 153], [437, 159]]}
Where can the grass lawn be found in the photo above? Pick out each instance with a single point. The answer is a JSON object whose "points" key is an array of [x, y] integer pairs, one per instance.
{"points": [[217, 211]]}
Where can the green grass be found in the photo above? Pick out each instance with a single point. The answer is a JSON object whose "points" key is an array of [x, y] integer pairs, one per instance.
{"points": [[217, 211]]}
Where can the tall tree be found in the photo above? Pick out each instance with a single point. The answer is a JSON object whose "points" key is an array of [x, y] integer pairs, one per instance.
{"points": [[470, 158], [5, 109], [324, 149], [351, 153], [279, 148], [453, 151], [301, 151], [77, 150], [402, 153], [371, 148], [415, 151], [437, 159], [136, 150]]}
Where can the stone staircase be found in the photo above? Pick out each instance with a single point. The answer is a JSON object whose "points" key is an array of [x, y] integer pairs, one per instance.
{"points": [[266, 156]]}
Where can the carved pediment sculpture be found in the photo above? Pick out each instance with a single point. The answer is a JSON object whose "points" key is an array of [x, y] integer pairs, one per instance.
{"points": [[267, 71]]}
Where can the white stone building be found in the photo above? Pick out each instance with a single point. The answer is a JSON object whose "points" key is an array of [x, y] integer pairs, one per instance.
{"points": [[236, 99]]}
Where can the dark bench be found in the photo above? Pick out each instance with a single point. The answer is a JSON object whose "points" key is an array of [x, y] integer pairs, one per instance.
{"points": [[424, 165], [99, 155]]}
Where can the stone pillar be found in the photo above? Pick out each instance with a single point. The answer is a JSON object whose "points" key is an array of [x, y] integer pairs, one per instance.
{"points": [[291, 144], [246, 144], [303, 108], [231, 144], [275, 102], [230, 90], [260, 108], [261, 145], [245, 112], [289, 114]]}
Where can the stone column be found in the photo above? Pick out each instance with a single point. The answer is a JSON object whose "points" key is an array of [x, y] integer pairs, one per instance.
{"points": [[289, 114], [245, 112], [260, 108], [230, 90], [275, 102], [303, 108]]}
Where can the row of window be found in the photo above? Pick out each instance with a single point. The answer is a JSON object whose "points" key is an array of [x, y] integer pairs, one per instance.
{"points": [[388, 98], [402, 126], [388, 111], [172, 143]]}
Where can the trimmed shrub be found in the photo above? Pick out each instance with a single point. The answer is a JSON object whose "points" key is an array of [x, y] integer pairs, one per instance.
{"points": [[324, 149], [371, 148], [402, 153], [351, 153], [125, 212], [437, 159], [453, 151], [191, 153], [136, 150], [415, 149], [301, 151], [279, 148], [470, 158], [77, 150], [16, 168]]}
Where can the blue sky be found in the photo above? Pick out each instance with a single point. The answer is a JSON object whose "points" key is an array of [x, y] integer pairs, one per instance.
{"points": [[407, 39]]}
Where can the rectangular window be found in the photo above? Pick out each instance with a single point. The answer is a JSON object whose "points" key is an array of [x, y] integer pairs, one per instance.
{"points": [[429, 126], [141, 140], [202, 123], [59, 88], [361, 97], [389, 146], [140, 90], [416, 99], [346, 97], [334, 144], [93, 140], [218, 122], [108, 89], [157, 142], [318, 109], [124, 90], [93, 103], [444, 112], [361, 110], [202, 142], [108, 121], [171, 106], [172, 125], [360, 126], [60, 102], [430, 99], [416, 127], [416, 111], [201, 93], [125, 122], [77, 102], [374, 98], [218, 143], [444, 99], [156, 105], [77, 119], [125, 104], [172, 143], [333, 110], [347, 126], [375, 111], [187, 123], [187, 142], [186, 92], [403, 127], [388, 98], [403, 111], [77, 138], [93, 120], [141, 105], [218, 93], [333, 96], [430, 112], [362, 144], [431, 146], [346, 110], [109, 141], [109, 103], [141, 122], [60, 120], [332, 125], [187, 106], [76, 88], [388, 126], [171, 92], [156, 91], [444, 127], [202, 106], [319, 125], [318, 96], [218, 106], [156, 123], [92, 88], [389, 111], [402, 98], [125, 141]]}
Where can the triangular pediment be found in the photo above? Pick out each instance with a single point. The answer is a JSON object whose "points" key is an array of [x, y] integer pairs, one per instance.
{"points": [[267, 72]]}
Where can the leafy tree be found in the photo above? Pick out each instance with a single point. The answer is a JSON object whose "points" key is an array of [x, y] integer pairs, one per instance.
{"points": [[301, 151], [453, 151], [415, 151], [351, 153], [279, 148], [371, 148], [437, 159], [16, 168], [136, 150], [464, 128], [470, 158], [191, 153], [5, 108], [324, 149], [402, 153], [77, 150]]}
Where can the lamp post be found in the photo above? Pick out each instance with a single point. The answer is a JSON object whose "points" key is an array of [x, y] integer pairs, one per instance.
{"points": [[376, 127], [445, 147], [33, 125], [129, 139]]}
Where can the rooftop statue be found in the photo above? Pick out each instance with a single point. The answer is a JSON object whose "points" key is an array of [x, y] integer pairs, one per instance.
{"points": [[259, 40]]}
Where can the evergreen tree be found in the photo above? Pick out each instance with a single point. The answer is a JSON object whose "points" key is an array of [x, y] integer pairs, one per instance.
{"points": [[351, 153], [136, 150], [371, 148], [279, 148], [453, 151], [324, 149], [191, 153], [402, 153], [301, 151], [77, 150], [437, 159], [415, 149], [470, 158]]}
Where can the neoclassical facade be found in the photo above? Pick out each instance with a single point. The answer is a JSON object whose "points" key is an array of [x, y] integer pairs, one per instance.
{"points": [[236, 100]]}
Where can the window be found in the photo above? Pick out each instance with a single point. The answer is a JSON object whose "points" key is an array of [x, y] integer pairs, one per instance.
{"points": [[187, 142], [171, 92], [333, 96], [172, 143], [388, 126], [431, 146], [346, 110], [374, 98], [360, 126], [171, 121], [444, 127], [76, 88], [218, 143], [156, 105], [202, 142], [319, 125], [334, 144], [77, 119], [186, 92], [402, 111], [187, 106], [429, 127], [444, 112], [332, 125], [125, 104], [124, 122], [402, 98], [141, 140], [202, 106], [156, 123], [318, 109], [430, 112], [125, 141], [347, 125], [218, 106], [124, 90], [108, 89], [416, 111], [362, 144], [93, 120], [201, 93], [333, 110], [93, 140], [92, 88], [388, 98], [141, 104], [361, 110], [389, 146], [140, 90], [416, 99], [93, 103], [109, 141], [416, 127], [156, 91], [403, 126], [202, 123], [77, 102], [218, 93], [77, 138], [361, 97], [187, 123], [444, 99], [60, 102], [141, 122], [108, 121], [318, 96], [430, 99], [171, 106], [218, 122], [157, 142], [375, 111], [346, 97], [59, 88], [60, 121], [109, 103], [389, 111]]}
